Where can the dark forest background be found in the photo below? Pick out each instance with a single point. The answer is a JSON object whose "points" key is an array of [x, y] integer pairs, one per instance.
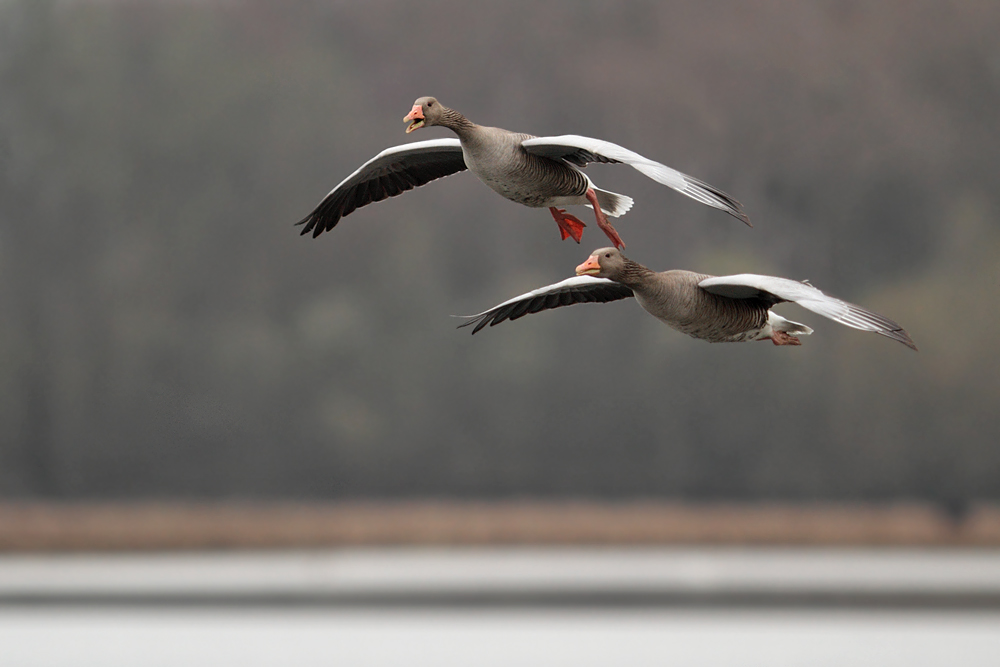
{"points": [[165, 331]]}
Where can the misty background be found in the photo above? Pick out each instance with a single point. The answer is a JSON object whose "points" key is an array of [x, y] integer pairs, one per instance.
{"points": [[166, 333]]}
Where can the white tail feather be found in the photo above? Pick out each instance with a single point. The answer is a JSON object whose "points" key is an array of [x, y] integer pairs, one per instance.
{"points": [[779, 323], [613, 204]]}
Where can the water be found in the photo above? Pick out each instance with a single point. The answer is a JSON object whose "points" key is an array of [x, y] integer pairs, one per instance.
{"points": [[483, 607], [250, 637]]}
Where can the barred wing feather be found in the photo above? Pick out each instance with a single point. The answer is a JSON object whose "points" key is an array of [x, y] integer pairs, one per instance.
{"points": [[392, 172], [580, 289]]}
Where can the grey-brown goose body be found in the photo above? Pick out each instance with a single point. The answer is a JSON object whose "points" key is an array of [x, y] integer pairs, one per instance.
{"points": [[675, 298], [719, 309], [498, 159], [534, 171]]}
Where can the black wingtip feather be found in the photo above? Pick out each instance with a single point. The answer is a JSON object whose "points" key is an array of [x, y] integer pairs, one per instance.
{"points": [[901, 336], [711, 195], [863, 318]]}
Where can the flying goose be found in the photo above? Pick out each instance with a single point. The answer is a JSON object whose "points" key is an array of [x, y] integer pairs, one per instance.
{"points": [[724, 309], [535, 171]]}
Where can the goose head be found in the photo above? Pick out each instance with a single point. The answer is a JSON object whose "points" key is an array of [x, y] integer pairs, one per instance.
{"points": [[426, 111], [603, 263]]}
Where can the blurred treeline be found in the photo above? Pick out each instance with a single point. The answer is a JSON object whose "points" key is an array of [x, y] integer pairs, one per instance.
{"points": [[166, 332]]}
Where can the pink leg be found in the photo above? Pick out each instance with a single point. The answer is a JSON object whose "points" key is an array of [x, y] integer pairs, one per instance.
{"points": [[782, 338], [602, 220], [569, 226]]}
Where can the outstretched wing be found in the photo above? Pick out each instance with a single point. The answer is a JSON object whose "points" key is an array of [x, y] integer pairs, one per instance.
{"points": [[583, 150], [393, 171], [581, 289], [776, 290]]}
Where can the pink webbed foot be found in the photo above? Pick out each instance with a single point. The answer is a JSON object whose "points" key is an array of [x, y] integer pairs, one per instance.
{"points": [[602, 220], [569, 226], [782, 338]]}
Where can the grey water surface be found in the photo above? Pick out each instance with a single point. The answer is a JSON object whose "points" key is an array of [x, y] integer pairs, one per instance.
{"points": [[570, 606]]}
